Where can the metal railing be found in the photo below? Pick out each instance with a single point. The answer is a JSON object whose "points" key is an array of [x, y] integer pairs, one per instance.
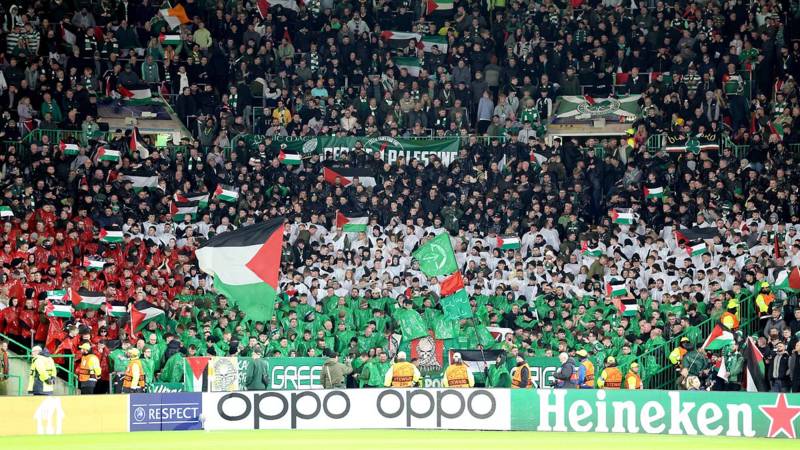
{"points": [[66, 373], [665, 375]]}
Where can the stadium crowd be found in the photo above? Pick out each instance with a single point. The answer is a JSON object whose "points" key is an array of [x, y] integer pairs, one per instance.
{"points": [[330, 68]]}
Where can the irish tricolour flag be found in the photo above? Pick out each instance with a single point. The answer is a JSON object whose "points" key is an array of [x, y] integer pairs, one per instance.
{"points": [[508, 242], [226, 193], [245, 265], [86, 299], [353, 224], [623, 216], [107, 154], [69, 149], [654, 192], [110, 236]]}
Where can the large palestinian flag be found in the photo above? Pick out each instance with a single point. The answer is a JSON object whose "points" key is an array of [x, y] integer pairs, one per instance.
{"points": [[754, 376], [245, 265], [686, 235], [144, 312], [439, 5], [351, 223], [346, 175], [577, 108], [720, 337], [86, 299]]}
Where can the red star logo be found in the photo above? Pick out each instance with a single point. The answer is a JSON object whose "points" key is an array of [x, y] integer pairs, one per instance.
{"points": [[781, 417]]}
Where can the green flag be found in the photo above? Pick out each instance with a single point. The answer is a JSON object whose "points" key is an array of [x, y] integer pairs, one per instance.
{"points": [[457, 306], [444, 328], [411, 324], [436, 257]]}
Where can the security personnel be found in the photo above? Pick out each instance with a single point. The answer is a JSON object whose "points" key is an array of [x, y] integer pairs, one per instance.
{"points": [[610, 377], [88, 370], [632, 379], [458, 374], [402, 374], [763, 300], [585, 370], [43, 372], [521, 375], [133, 381], [676, 356], [730, 318]]}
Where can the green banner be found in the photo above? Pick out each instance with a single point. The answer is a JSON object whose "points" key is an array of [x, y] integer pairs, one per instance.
{"points": [[295, 373], [160, 388], [656, 412], [542, 369], [331, 147]]}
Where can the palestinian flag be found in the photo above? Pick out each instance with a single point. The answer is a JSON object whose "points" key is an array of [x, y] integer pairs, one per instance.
{"points": [[575, 108], [226, 193], [590, 251], [175, 17], [289, 158], [347, 175], [86, 299], [170, 39], [245, 264], [720, 337], [182, 208], [104, 154], [141, 179], [68, 36], [58, 310], [776, 128], [508, 243], [428, 42], [200, 198], [683, 237], [116, 309], [69, 149], [195, 374], [439, 5], [144, 312], [696, 248], [138, 93], [57, 295], [351, 224], [788, 280], [399, 39], [654, 192], [135, 144], [623, 216], [616, 288], [626, 305], [412, 65], [5, 211], [754, 373], [499, 333], [93, 264], [111, 236], [451, 284], [478, 361]]}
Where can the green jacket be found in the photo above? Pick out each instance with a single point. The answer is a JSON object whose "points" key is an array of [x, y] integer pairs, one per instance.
{"points": [[498, 377], [734, 363]]}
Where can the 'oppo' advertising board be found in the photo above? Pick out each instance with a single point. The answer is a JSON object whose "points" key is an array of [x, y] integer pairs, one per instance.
{"points": [[482, 409]]}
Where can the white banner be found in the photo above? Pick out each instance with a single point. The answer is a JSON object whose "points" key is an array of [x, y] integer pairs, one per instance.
{"points": [[461, 409]]}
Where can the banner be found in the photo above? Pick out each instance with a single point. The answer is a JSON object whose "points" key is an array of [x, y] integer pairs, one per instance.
{"points": [[295, 373], [656, 412], [461, 409], [211, 374], [573, 108], [542, 370], [331, 147], [694, 144], [166, 412], [64, 415]]}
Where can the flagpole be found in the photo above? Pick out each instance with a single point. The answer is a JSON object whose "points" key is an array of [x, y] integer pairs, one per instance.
{"points": [[480, 346]]}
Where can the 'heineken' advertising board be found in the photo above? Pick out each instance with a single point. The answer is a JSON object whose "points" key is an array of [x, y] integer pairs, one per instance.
{"points": [[656, 412]]}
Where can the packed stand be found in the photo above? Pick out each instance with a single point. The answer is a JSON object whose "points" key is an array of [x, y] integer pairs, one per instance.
{"points": [[331, 68]]}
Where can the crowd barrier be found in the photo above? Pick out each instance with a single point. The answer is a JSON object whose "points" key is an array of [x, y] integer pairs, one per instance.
{"points": [[604, 411]]}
